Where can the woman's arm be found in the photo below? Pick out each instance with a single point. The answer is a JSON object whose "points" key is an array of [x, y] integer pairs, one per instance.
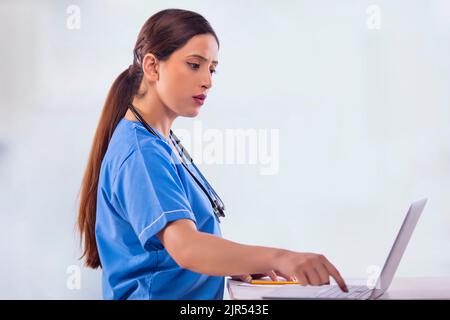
{"points": [[204, 253], [208, 254]]}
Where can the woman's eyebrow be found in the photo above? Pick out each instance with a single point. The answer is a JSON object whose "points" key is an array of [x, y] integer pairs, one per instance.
{"points": [[203, 58]]}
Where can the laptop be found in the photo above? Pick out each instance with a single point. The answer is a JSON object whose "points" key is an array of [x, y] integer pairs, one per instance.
{"points": [[359, 292]]}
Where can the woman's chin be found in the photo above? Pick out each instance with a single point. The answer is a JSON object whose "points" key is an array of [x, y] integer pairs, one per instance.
{"points": [[192, 113]]}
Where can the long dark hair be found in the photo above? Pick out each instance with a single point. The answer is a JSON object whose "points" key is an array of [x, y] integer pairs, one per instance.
{"points": [[162, 34]]}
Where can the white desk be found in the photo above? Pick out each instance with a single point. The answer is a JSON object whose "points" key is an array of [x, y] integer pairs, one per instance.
{"points": [[400, 288]]}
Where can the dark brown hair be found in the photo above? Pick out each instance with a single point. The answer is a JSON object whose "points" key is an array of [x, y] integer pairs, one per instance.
{"points": [[162, 34]]}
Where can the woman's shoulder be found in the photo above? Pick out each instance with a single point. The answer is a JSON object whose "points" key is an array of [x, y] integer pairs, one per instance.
{"points": [[131, 140]]}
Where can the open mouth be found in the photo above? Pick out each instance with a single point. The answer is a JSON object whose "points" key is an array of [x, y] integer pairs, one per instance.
{"points": [[199, 99]]}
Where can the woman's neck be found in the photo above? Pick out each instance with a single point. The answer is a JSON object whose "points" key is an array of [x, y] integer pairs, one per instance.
{"points": [[155, 114]]}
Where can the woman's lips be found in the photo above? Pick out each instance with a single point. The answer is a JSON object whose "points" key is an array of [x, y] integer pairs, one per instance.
{"points": [[198, 101]]}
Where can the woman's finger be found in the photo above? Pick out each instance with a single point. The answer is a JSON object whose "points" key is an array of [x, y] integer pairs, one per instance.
{"points": [[336, 275], [313, 276], [242, 277], [301, 277], [273, 276], [323, 274], [285, 276]]}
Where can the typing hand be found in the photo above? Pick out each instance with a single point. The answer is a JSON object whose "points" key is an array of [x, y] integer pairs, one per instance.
{"points": [[249, 277]]}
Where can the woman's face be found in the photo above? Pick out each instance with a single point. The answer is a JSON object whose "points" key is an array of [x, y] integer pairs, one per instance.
{"points": [[186, 74]]}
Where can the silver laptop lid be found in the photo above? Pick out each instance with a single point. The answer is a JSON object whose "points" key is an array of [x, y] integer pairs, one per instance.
{"points": [[399, 247]]}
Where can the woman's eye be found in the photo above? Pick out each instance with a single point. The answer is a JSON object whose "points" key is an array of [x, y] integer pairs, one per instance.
{"points": [[195, 66]]}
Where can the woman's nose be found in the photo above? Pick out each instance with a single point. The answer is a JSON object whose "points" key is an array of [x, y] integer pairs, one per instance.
{"points": [[207, 82]]}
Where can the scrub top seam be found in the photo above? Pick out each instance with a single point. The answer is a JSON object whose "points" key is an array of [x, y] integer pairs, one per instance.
{"points": [[160, 216], [122, 164], [138, 146]]}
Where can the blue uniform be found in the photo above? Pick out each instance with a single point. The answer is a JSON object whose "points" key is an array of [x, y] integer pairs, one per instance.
{"points": [[142, 188]]}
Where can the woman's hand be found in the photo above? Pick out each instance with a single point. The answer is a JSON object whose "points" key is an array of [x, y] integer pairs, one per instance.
{"points": [[308, 269], [249, 277]]}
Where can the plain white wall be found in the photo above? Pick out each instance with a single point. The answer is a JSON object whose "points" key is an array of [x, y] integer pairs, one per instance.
{"points": [[361, 105]]}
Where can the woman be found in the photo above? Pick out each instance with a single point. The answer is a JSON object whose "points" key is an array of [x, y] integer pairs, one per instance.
{"points": [[147, 216]]}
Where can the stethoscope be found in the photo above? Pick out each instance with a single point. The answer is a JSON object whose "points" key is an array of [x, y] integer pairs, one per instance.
{"points": [[216, 203]]}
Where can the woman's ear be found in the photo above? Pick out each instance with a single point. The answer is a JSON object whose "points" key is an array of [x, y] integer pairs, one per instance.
{"points": [[150, 67]]}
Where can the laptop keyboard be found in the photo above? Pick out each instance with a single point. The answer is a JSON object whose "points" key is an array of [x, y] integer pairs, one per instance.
{"points": [[334, 292]]}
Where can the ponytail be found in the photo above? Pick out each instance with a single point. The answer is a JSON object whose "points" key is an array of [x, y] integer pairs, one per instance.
{"points": [[114, 109]]}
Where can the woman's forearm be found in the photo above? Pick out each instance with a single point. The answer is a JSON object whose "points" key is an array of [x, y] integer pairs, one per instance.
{"points": [[212, 255]]}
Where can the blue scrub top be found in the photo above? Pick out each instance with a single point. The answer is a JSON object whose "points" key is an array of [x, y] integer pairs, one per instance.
{"points": [[141, 188]]}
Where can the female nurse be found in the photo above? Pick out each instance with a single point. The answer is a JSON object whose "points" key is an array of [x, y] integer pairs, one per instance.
{"points": [[146, 216]]}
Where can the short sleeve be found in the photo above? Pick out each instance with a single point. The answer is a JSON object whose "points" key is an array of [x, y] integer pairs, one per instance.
{"points": [[149, 191]]}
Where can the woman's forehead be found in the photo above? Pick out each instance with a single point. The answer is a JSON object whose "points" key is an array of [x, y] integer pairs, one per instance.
{"points": [[203, 47]]}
